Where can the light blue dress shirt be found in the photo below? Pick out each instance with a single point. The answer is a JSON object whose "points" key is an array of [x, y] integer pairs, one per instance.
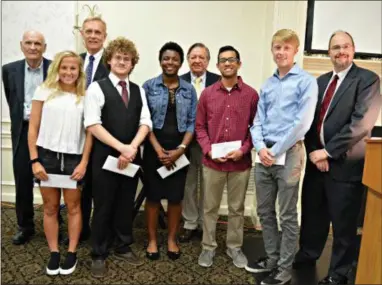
{"points": [[285, 110], [33, 78]]}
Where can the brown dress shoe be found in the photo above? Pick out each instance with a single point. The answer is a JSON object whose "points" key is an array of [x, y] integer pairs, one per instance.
{"points": [[186, 235], [98, 269]]}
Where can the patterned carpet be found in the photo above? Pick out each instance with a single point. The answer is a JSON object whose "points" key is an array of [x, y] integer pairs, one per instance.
{"points": [[25, 264]]}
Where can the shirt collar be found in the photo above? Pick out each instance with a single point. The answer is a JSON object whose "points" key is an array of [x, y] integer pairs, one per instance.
{"points": [[115, 80], [193, 77], [342, 74], [294, 70], [38, 68], [96, 55], [238, 85]]}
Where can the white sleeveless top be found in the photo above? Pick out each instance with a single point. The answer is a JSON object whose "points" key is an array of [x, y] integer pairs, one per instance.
{"points": [[62, 122]]}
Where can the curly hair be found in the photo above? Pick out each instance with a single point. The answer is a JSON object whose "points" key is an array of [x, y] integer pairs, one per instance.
{"points": [[52, 81], [122, 45]]}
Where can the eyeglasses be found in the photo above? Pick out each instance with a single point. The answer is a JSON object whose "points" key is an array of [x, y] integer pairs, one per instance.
{"points": [[230, 60], [337, 48]]}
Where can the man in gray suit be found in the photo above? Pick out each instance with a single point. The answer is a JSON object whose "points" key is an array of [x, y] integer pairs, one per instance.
{"points": [[198, 57], [20, 79], [347, 109]]}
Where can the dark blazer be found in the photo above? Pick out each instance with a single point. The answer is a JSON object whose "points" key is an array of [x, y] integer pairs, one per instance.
{"points": [[101, 72], [13, 80], [350, 118], [211, 78]]}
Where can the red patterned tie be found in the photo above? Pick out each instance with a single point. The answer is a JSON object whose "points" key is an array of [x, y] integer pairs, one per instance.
{"points": [[326, 102], [125, 97]]}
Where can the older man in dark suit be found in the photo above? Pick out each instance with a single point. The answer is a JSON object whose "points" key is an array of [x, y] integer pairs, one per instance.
{"points": [[20, 79], [94, 35], [348, 106], [198, 57]]}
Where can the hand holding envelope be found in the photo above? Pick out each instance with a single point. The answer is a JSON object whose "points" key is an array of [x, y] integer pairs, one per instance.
{"points": [[222, 151], [111, 164]]}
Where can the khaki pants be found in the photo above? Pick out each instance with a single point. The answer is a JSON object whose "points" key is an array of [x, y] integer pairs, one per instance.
{"points": [[237, 184]]}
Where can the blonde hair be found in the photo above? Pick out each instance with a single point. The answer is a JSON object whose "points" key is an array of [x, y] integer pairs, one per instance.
{"points": [[121, 45], [91, 19], [286, 35], [52, 80]]}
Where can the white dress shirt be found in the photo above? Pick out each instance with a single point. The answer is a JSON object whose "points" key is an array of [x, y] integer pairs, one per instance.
{"points": [[96, 62], [341, 76], [62, 121], [95, 100]]}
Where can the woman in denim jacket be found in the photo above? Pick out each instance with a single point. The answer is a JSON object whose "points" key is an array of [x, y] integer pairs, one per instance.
{"points": [[172, 102]]}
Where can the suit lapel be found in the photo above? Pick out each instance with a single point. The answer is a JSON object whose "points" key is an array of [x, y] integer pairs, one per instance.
{"points": [[348, 80], [187, 77], [321, 91], [45, 67], [20, 78], [208, 79], [101, 71]]}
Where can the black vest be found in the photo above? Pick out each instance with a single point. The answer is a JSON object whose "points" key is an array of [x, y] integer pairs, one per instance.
{"points": [[121, 122]]}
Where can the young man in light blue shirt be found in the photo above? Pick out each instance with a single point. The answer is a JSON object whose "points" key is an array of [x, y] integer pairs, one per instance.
{"points": [[285, 113]]}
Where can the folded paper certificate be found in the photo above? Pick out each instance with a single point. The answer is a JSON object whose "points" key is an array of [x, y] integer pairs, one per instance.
{"points": [[111, 164], [280, 160], [59, 181], [222, 149], [180, 163]]}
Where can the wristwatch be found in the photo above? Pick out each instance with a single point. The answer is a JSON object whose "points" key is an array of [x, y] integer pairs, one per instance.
{"points": [[34, 161], [182, 146]]}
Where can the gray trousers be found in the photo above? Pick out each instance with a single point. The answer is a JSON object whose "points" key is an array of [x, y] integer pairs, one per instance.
{"points": [[280, 181], [193, 201]]}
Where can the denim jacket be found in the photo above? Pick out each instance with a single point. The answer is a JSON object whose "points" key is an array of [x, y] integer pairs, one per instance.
{"points": [[157, 99]]}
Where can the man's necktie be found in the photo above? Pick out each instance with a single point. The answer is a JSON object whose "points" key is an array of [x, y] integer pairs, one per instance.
{"points": [[89, 71], [198, 86], [125, 97], [326, 102]]}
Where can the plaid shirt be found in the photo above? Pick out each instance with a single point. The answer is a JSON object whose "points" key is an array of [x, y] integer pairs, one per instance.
{"points": [[224, 116]]}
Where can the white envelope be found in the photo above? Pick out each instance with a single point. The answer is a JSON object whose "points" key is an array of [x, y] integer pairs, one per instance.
{"points": [[222, 149], [111, 164], [180, 163], [280, 160], [59, 181]]}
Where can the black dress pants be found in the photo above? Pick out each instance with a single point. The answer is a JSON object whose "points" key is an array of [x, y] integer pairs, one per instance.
{"points": [[24, 182], [326, 200], [113, 196], [86, 199]]}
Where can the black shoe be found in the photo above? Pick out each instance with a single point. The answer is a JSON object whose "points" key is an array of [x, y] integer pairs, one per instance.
{"points": [[69, 264], [278, 276], [98, 269], [152, 255], [297, 265], [173, 255], [263, 264], [22, 237], [333, 280], [53, 267]]}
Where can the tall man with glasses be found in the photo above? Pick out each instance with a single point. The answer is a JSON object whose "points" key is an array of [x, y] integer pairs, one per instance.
{"points": [[348, 105], [225, 112], [285, 112], [198, 57]]}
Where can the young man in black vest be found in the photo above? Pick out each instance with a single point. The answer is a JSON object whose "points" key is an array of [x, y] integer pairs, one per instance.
{"points": [[117, 115]]}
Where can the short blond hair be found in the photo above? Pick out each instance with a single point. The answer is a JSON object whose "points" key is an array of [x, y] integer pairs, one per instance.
{"points": [[286, 35], [91, 19]]}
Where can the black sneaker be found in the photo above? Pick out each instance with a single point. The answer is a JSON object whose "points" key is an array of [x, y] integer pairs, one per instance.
{"points": [[278, 276], [69, 264], [53, 267], [263, 264]]}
